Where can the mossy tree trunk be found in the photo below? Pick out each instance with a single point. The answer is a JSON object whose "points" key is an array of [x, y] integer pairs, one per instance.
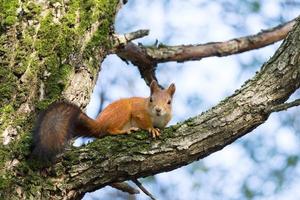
{"points": [[51, 51]]}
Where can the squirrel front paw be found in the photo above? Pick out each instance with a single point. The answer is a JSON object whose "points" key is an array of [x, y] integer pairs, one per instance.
{"points": [[155, 132]]}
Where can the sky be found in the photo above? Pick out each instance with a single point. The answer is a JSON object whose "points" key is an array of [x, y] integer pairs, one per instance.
{"points": [[199, 86]]}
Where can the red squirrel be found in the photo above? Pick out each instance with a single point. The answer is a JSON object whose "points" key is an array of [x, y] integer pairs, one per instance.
{"points": [[62, 121]]}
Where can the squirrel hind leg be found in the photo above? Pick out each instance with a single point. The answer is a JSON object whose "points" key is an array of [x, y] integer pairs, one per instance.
{"points": [[117, 131], [123, 128]]}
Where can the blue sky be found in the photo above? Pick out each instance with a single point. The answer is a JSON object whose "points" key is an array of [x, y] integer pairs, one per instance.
{"points": [[200, 85]]}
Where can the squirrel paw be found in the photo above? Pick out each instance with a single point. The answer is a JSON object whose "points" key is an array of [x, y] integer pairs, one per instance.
{"points": [[132, 129], [155, 132]]}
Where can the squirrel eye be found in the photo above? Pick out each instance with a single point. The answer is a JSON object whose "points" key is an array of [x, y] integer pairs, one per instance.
{"points": [[151, 100], [169, 102]]}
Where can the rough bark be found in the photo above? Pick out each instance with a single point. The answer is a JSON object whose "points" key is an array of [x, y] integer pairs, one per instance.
{"points": [[49, 66], [49, 50], [182, 53], [146, 58], [128, 157]]}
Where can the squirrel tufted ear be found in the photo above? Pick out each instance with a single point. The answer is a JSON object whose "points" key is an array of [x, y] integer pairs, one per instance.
{"points": [[153, 86], [171, 89]]}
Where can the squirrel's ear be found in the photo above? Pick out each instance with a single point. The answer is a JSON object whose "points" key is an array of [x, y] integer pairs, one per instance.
{"points": [[153, 86], [171, 89]]}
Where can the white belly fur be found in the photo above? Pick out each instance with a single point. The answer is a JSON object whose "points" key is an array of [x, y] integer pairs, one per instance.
{"points": [[160, 121]]}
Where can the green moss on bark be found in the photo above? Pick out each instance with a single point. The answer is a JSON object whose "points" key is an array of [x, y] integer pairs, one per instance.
{"points": [[47, 48], [8, 12], [42, 52], [57, 41], [32, 10], [8, 82]]}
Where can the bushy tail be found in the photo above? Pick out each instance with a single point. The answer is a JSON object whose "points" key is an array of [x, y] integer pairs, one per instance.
{"points": [[59, 123]]}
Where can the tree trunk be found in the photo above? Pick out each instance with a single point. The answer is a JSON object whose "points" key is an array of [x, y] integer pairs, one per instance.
{"points": [[51, 51]]}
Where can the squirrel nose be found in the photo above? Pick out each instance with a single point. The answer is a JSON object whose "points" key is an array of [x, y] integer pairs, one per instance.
{"points": [[158, 110]]}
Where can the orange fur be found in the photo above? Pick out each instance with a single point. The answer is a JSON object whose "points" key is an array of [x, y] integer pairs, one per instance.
{"points": [[130, 114], [63, 121]]}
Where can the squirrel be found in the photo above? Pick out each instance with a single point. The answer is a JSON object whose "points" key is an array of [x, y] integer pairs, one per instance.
{"points": [[62, 121]]}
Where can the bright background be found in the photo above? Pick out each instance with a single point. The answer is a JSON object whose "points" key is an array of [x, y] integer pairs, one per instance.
{"points": [[261, 165]]}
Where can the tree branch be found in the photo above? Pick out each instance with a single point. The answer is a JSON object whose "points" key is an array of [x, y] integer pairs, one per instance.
{"points": [[139, 184], [126, 49], [124, 187], [237, 45], [128, 157], [138, 57], [123, 39], [284, 106], [147, 58]]}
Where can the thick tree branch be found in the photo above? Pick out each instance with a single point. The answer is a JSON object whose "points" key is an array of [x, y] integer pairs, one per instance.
{"points": [[147, 58], [124, 157]]}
